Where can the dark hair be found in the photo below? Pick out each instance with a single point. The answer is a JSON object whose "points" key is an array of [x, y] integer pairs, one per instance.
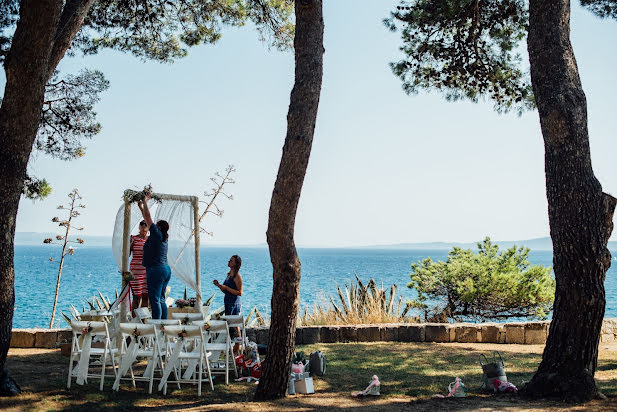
{"points": [[238, 261], [164, 228], [143, 223]]}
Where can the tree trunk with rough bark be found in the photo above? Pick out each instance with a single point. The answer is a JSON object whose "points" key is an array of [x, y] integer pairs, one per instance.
{"points": [[301, 119], [39, 43], [26, 68], [580, 214]]}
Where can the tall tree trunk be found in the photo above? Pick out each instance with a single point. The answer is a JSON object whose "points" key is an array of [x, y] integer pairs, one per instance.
{"points": [[580, 214], [26, 68], [301, 118], [38, 41]]}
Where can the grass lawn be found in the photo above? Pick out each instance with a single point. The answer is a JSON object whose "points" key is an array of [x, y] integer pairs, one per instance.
{"points": [[410, 374]]}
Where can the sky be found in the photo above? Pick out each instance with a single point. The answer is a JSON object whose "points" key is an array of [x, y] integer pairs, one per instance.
{"points": [[385, 167]]}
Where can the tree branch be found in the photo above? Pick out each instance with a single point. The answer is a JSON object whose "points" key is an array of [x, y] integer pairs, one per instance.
{"points": [[71, 20]]}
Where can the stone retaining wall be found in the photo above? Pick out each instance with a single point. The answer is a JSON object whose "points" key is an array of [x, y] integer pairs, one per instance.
{"points": [[527, 333]]}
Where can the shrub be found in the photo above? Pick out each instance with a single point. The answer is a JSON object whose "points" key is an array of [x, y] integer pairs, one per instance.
{"points": [[359, 304], [488, 285]]}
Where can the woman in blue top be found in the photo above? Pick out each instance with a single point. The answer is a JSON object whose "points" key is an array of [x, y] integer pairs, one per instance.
{"points": [[155, 260], [232, 287]]}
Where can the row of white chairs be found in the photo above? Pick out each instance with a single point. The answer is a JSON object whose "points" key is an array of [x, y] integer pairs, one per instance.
{"points": [[189, 346]]}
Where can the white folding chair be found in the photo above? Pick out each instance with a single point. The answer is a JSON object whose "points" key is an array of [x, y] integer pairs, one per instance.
{"points": [[237, 321], [111, 317], [160, 325], [185, 343], [142, 343], [81, 351], [215, 349], [142, 314], [219, 344], [186, 317]]}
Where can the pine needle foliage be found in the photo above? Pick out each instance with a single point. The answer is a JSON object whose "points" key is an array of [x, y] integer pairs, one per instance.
{"points": [[465, 49], [468, 49], [488, 285], [601, 8]]}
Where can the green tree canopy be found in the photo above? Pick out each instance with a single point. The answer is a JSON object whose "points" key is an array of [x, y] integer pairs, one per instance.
{"points": [[468, 49], [163, 30], [68, 115], [160, 30], [487, 285], [464, 48], [602, 8]]}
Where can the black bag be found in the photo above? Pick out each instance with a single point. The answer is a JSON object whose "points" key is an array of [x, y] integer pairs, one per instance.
{"points": [[298, 358], [317, 363], [493, 370], [262, 349]]}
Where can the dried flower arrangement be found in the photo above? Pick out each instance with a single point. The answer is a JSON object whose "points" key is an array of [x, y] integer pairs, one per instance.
{"points": [[136, 196]]}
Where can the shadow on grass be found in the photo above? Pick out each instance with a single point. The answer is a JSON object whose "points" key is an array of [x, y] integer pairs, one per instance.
{"points": [[417, 369], [424, 369], [506, 402], [89, 398], [609, 366], [406, 371]]}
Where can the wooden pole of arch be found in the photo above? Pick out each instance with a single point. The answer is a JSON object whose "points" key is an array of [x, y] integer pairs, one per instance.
{"points": [[126, 237], [197, 258], [126, 252]]}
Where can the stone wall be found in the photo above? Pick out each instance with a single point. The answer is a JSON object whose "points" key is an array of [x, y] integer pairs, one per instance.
{"points": [[40, 338], [527, 333]]}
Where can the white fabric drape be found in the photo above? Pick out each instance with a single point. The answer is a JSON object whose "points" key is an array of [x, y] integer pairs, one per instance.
{"points": [[181, 252]]}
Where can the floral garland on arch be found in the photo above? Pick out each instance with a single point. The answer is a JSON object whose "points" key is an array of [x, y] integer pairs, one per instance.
{"points": [[135, 196]]}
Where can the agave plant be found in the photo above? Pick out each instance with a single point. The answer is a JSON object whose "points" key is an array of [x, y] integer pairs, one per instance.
{"points": [[255, 318], [209, 301], [359, 303], [99, 302]]}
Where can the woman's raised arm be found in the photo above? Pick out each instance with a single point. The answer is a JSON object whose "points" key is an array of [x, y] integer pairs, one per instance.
{"points": [[145, 211]]}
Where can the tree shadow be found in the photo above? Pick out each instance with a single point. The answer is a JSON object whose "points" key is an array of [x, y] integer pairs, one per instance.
{"points": [[607, 366], [420, 369], [410, 374]]}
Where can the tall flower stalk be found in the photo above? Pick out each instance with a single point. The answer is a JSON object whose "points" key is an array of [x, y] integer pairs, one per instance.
{"points": [[64, 240]]}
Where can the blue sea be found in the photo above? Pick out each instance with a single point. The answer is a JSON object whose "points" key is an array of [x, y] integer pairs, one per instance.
{"points": [[92, 269]]}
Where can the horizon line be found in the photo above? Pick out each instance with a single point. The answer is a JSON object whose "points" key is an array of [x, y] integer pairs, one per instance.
{"points": [[406, 245]]}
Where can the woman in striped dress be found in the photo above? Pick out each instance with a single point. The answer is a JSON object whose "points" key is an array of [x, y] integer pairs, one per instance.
{"points": [[138, 283]]}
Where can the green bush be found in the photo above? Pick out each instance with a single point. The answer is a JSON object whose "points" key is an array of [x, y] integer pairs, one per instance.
{"points": [[488, 285]]}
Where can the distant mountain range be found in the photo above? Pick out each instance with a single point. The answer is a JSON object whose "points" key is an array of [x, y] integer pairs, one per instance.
{"points": [[35, 238], [542, 243]]}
